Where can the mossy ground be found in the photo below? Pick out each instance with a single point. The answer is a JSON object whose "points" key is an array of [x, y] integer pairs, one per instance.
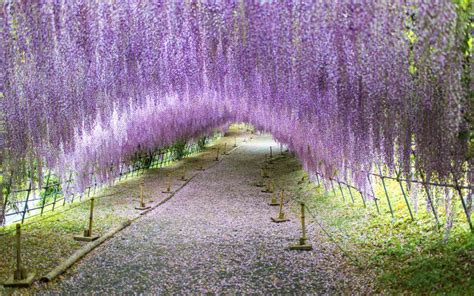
{"points": [[404, 256]]}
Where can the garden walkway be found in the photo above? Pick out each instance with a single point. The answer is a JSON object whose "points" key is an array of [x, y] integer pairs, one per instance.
{"points": [[215, 235]]}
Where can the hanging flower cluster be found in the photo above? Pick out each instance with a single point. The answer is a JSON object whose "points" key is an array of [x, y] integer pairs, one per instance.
{"points": [[347, 84]]}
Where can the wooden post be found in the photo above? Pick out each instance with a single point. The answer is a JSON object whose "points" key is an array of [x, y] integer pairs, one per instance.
{"points": [[88, 237], [91, 217], [260, 183], [317, 179], [265, 165], [405, 197], [350, 191], [20, 277], [26, 204], [333, 190], [168, 186], [265, 174], [281, 214], [235, 142], [274, 201], [373, 194], [225, 149], [302, 245], [362, 196], [386, 193], [303, 228], [45, 191], [271, 152], [466, 212], [340, 189], [142, 201], [183, 175], [217, 154], [269, 187]]}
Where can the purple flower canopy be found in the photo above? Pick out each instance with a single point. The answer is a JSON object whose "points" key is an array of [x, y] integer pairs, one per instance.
{"points": [[346, 84]]}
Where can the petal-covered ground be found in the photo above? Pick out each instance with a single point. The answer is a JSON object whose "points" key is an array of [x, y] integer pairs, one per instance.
{"points": [[214, 236]]}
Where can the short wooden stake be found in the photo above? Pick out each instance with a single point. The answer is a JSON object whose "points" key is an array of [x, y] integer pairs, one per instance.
{"points": [[271, 153], [142, 202], [168, 186], [281, 215], [269, 187], [274, 201], [225, 149], [183, 175], [217, 154], [260, 182], [302, 245], [20, 277], [265, 163], [235, 142], [88, 237], [142, 206], [265, 174]]}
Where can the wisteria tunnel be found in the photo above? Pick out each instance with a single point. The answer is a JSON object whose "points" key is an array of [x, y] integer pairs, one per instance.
{"points": [[236, 147]]}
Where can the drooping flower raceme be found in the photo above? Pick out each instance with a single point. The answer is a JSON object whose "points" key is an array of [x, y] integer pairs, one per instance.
{"points": [[346, 84]]}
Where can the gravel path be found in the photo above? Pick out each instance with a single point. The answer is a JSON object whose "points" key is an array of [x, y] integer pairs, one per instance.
{"points": [[213, 236]]}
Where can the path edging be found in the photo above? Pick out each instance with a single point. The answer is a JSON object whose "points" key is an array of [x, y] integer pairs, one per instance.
{"points": [[61, 268]]}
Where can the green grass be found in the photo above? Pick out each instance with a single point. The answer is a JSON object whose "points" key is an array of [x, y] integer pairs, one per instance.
{"points": [[47, 240], [407, 256], [403, 256]]}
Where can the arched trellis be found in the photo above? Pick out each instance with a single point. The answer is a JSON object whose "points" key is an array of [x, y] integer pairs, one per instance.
{"points": [[360, 83]]}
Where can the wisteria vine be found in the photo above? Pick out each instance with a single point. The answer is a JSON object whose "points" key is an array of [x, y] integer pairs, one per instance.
{"points": [[346, 84]]}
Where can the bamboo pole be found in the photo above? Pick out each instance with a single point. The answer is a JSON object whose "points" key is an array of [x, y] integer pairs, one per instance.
{"points": [[386, 194], [142, 202], [302, 244], [91, 217], [373, 194], [20, 277]]}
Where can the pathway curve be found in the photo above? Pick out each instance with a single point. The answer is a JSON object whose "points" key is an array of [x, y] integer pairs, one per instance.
{"points": [[215, 235]]}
